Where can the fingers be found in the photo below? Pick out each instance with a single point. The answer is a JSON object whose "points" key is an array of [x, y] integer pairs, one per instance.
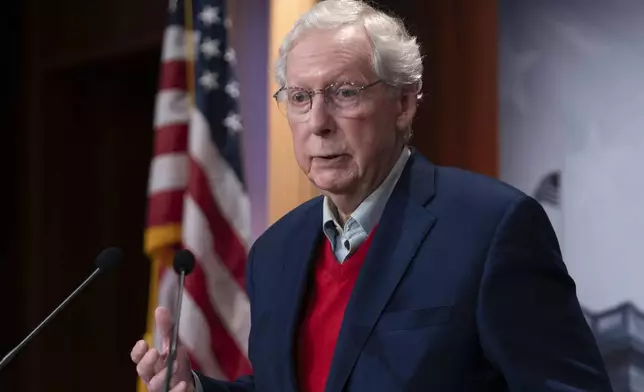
{"points": [[164, 326], [156, 383], [181, 379], [151, 364], [148, 365], [181, 387], [160, 364], [138, 351]]}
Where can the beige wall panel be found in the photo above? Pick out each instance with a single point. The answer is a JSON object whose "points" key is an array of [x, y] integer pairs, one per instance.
{"points": [[287, 185]]}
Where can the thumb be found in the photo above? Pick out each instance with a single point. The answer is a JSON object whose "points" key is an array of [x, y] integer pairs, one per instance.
{"points": [[183, 365], [164, 326]]}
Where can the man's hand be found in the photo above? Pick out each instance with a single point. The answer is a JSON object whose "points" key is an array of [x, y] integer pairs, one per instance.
{"points": [[151, 364]]}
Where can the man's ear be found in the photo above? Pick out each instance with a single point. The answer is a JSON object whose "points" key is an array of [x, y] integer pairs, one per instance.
{"points": [[408, 101]]}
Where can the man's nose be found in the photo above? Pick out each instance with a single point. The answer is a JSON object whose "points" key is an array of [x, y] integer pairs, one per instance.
{"points": [[319, 116]]}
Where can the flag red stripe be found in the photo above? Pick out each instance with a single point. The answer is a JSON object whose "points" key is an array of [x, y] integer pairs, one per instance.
{"points": [[171, 138], [173, 75], [165, 208], [230, 358], [226, 243]]}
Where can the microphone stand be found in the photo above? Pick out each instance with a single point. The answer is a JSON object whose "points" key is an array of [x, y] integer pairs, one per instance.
{"points": [[106, 260], [40, 326], [175, 333]]}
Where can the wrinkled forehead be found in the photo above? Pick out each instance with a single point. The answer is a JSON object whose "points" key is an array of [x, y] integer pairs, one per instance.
{"points": [[321, 57]]}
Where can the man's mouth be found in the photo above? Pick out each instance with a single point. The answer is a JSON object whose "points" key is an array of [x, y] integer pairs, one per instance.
{"points": [[330, 156]]}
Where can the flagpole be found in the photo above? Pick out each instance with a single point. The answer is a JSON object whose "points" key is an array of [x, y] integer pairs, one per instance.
{"points": [[190, 46]]}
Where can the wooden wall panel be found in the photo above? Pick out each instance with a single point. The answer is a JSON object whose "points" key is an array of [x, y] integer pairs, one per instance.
{"points": [[288, 187], [457, 121]]}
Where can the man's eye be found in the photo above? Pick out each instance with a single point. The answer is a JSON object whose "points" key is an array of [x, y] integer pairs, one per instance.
{"points": [[299, 97], [346, 92]]}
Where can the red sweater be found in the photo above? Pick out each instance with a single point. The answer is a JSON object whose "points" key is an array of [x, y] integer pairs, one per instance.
{"points": [[327, 299]]}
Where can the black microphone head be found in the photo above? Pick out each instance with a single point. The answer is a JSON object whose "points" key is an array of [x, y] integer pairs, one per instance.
{"points": [[184, 261], [109, 258]]}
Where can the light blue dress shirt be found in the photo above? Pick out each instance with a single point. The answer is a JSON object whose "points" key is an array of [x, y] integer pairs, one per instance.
{"points": [[346, 239]]}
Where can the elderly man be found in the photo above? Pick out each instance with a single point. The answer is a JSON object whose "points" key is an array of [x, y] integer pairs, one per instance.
{"points": [[403, 276]]}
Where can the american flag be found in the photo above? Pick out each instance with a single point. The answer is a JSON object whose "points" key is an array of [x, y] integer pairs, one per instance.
{"points": [[197, 198]]}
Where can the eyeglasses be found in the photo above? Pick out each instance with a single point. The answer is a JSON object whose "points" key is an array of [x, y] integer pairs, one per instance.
{"points": [[343, 98]]}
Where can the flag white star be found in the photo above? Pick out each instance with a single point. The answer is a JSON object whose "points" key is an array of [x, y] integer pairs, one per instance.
{"points": [[233, 122], [209, 80], [209, 15], [232, 89], [210, 48], [230, 56]]}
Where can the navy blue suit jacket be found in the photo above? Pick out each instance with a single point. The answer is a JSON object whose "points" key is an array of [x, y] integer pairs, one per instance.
{"points": [[463, 289]]}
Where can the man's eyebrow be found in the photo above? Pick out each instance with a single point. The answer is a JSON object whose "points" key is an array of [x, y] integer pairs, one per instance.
{"points": [[337, 82]]}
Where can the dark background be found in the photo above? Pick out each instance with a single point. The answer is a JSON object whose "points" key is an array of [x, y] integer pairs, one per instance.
{"points": [[80, 78]]}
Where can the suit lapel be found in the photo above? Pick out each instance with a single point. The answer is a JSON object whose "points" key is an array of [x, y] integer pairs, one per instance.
{"points": [[296, 265], [403, 227]]}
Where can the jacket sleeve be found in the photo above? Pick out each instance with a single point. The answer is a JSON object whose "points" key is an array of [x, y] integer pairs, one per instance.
{"points": [[245, 383], [530, 322], [206, 384]]}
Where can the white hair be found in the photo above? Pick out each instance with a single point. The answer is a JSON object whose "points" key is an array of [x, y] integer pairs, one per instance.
{"points": [[396, 57]]}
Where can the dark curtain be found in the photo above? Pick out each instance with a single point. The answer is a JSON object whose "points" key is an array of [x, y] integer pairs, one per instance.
{"points": [[77, 143]]}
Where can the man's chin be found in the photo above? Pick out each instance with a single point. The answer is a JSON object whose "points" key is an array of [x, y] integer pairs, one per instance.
{"points": [[330, 188]]}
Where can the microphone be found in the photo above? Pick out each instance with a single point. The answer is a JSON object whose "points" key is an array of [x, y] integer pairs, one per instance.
{"points": [[184, 263], [106, 260]]}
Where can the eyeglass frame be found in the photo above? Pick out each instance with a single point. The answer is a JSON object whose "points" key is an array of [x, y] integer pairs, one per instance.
{"points": [[312, 92]]}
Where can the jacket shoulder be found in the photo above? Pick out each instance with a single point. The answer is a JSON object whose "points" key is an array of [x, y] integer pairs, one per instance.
{"points": [[452, 179], [457, 186], [476, 195]]}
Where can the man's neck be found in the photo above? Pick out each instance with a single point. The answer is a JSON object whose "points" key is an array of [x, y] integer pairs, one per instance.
{"points": [[344, 217], [346, 204]]}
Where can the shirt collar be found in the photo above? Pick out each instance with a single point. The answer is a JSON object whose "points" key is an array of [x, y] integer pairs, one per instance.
{"points": [[370, 210]]}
